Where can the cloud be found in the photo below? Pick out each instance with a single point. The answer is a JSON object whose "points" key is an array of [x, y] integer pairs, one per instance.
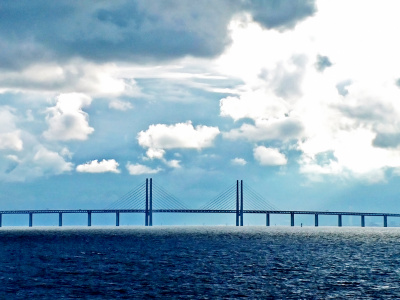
{"points": [[10, 136], [269, 156], [352, 155], [130, 30], [331, 112], [95, 166], [11, 140], [360, 132], [51, 162], [34, 161], [120, 105], [322, 63], [238, 161], [23, 157], [283, 14], [387, 139], [283, 129], [173, 163], [155, 153], [13, 162], [67, 121], [342, 87], [254, 105], [159, 154], [138, 169], [76, 75], [180, 135]]}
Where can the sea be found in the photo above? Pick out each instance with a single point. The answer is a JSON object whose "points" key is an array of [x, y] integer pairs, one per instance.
{"points": [[199, 262]]}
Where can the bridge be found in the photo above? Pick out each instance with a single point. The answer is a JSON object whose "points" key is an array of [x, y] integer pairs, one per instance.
{"points": [[231, 201]]}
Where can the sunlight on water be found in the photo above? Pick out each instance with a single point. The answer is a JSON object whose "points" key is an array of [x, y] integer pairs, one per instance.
{"points": [[199, 262]]}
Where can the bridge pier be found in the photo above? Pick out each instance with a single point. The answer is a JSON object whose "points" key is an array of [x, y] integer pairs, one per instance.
{"points": [[1, 221], [146, 211], [60, 219], [267, 220], [151, 203], [362, 220], [384, 221], [30, 219], [117, 218], [291, 219], [316, 220], [89, 218], [339, 220], [237, 203], [241, 202]]}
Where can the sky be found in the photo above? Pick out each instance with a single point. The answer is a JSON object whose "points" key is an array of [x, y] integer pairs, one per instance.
{"points": [[299, 99]]}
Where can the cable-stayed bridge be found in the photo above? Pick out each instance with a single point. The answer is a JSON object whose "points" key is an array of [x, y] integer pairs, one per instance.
{"points": [[149, 198]]}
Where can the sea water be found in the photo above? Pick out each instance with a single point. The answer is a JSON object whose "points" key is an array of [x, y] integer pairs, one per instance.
{"points": [[200, 263]]}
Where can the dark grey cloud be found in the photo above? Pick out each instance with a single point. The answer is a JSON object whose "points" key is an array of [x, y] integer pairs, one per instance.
{"points": [[280, 14], [387, 140], [139, 31], [322, 63], [284, 129], [369, 111]]}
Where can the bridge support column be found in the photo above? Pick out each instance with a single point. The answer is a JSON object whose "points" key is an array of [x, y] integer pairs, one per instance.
{"points": [[384, 221], [241, 202], [362, 220], [339, 220], [291, 219], [30, 219], [117, 218], [146, 212], [60, 219], [151, 203], [316, 220], [267, 220], [237, 203], [89, 218], [1, 221]]}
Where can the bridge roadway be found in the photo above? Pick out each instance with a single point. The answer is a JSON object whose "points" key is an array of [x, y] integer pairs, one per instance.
{"points": [[89, 212]]}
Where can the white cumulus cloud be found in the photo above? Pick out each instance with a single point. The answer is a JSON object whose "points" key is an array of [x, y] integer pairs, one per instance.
{"points": [[173, 163], [238, 161], [67, 120], [180, 135], [155, 153], [269, 156], [11, 140], [95, 166], [51, 162], [254, 105], [9, 134], [138, 169]]}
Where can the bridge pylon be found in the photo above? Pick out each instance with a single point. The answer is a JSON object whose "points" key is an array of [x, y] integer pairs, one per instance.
{"points": [[148, 221], [239, 203]]}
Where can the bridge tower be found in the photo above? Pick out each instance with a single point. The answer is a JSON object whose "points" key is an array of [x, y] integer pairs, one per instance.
{"points": [[148, 221], [239, 203]]}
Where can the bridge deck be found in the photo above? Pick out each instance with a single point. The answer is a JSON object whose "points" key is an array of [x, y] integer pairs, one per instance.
{"points": [[215, 211]]}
